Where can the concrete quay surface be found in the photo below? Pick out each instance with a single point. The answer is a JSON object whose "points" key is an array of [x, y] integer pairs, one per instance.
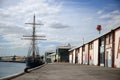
{"points": [[65, 71]]}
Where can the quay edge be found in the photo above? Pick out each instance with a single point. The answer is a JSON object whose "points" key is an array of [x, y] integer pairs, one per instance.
{"points": [[21, 73]]}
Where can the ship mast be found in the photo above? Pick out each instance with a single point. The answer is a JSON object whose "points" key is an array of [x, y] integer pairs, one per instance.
{"points": [[34, 37]]}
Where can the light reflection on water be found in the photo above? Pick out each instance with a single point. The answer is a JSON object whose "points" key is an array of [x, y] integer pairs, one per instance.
{"points": [[9, 68]]}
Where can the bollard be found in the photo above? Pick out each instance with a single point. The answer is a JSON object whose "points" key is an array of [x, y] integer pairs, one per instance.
{"points": [[26, 70]]}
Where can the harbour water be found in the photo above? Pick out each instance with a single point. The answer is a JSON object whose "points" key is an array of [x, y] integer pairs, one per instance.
{"points": [[10, 68]]}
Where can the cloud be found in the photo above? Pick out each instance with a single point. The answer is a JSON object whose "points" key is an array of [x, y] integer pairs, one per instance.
{"points": [[11, 28], [114, 15], [58, 26], [110, 15], [110, 20], [12, 34], [100, 12], [115, 12], [30, 7]]}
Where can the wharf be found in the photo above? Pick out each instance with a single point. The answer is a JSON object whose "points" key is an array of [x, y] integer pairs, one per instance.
{"points": [[66, 71]]}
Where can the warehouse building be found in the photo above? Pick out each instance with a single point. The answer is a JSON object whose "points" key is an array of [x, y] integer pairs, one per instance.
{"points": [[102, 51]]}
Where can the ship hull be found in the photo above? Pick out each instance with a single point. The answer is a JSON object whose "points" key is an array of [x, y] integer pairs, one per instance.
{"points": [[33, 63]]}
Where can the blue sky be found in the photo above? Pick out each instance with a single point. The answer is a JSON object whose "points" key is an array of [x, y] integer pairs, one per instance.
{"points": [[65, 21]]}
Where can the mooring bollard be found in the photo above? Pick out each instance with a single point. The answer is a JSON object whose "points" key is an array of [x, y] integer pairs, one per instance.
{"points": [[26, 70]]}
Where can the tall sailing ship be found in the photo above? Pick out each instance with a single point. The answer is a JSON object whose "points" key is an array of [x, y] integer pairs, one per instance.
{"points": [[33, 58]]}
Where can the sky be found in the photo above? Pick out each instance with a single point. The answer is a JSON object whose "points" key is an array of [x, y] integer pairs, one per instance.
{"points": [[65, 21]]}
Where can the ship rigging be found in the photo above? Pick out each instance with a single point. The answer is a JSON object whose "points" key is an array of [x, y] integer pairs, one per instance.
{"points": [[33, 57]]}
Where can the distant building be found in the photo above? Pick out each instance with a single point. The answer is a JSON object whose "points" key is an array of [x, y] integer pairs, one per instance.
{"points": [[50, 57], [53, 57], [13, 58], [20, 59], [6, 58], [63, 53]]}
